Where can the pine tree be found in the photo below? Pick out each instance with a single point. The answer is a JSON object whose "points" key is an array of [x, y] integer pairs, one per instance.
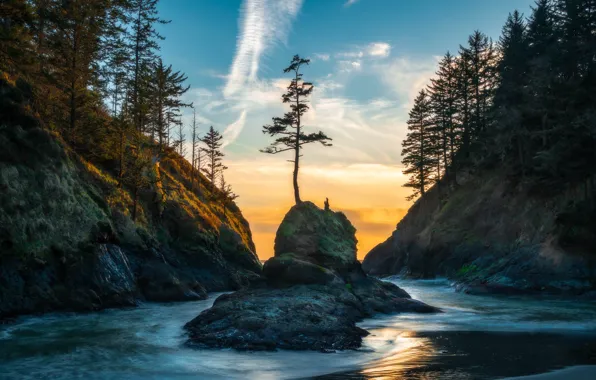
{"points": [[16, 55], [289, 128], [77, 30], [142, 46], [417, 148], [195, 161], [214, 167], [443, 94], [540, 99], [167, 87], [570, 155], [511, 129], [227, 194], [181, 140]]}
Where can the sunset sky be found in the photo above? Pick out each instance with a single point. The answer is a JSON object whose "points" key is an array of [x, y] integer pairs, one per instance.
{"points": [[369, 58]]}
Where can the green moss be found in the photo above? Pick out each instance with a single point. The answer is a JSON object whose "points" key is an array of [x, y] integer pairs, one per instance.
{"points": [[467, 270]]}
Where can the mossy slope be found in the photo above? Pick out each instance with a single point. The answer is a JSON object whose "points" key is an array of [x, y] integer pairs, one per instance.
{"points": [[492, 236], [67, 238]]}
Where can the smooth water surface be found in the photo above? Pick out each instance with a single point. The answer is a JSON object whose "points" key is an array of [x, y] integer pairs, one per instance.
{"points": [[475, 338]]}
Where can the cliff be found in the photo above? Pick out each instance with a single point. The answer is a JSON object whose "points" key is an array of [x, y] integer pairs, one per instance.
{"points": [[67, 238], [491, 235]]}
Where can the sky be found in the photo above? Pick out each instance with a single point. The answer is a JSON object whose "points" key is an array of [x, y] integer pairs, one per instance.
{"points": [[369, 59]]}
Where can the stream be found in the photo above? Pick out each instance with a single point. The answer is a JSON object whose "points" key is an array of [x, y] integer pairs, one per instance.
{"points": [[477, 337]]}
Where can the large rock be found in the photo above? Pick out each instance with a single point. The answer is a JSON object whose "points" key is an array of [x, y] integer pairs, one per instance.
{"points": [[302, 317], [316, 292], [321, 236], [288, 269]]}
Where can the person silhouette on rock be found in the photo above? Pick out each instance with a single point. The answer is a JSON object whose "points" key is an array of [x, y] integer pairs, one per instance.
{"points": [[326, 204]]}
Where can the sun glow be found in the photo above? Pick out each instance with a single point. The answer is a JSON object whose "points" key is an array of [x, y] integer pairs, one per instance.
{"points": [[361, 191]]}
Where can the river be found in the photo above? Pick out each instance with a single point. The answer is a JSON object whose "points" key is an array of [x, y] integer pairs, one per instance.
{"points": [[477, 337]]}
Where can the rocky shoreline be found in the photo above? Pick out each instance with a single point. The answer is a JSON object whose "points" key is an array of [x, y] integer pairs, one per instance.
{"points": [[315, 293]]}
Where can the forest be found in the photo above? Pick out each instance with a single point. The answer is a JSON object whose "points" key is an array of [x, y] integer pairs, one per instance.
{"points": [[524, 103], [93, 71]]}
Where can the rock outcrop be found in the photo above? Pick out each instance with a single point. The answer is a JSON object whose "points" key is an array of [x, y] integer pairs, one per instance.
{"points": [[493, 237], [67, 238], [316, 292]]}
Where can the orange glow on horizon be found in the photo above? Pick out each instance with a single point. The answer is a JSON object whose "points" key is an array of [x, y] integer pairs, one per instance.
{"points": [[371, 196]]}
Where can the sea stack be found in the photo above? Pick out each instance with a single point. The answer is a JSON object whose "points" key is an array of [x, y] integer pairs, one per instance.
{"points": [[315, 292]]}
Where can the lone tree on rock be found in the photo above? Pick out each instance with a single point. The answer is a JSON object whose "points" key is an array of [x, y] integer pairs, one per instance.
{"points": [[288, 129]]}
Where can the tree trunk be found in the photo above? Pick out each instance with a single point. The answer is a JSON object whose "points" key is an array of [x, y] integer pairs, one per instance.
{"points": [[73, 106], [134, 203], [295, 177], [121, 157], [297, 147]]}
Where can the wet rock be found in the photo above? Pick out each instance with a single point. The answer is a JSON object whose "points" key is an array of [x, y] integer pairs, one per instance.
{"points": [[159, 282], [321, 236], [316, 292], [287, 269]]}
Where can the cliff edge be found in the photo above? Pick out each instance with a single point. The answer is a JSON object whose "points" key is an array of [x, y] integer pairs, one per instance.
{"points": [[68, 240], [493, 237]]}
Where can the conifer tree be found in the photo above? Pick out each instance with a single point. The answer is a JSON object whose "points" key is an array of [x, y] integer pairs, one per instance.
{"points": [[142, 46], [167, 88], [77, 30], [289, 129], [181, 140], [227, 194], [213, 154], [511, 129], [443, 94], [195, 161], [15, 34], [417, 149]]}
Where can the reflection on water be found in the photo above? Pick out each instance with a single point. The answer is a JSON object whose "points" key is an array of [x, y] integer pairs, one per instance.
{"points": [[476, 338], [414, 352]]}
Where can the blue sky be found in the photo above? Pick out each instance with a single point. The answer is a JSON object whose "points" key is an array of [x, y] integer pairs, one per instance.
{"points": [[369, 60]]}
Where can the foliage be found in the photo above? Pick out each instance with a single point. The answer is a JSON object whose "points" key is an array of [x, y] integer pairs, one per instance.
{"points": [[289, 128], [467, 270], [527, 104]]}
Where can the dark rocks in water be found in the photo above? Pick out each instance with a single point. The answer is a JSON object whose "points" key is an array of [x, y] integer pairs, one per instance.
{"points": [[301, 317], [316, 292], [161, 283]]}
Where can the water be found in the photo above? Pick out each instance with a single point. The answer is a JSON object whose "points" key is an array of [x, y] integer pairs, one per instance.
{"points": [[476, 338]]}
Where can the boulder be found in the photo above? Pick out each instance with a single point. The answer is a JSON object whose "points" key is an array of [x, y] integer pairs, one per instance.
{"points": [[323, 237], [288, 269]]}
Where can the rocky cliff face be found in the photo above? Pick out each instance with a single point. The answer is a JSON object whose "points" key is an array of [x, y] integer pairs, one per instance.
{"points": [[491, 236], [67, 239]]}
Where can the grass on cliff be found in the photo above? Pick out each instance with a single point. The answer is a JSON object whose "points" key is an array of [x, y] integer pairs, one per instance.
{"points": [[56, 200]]}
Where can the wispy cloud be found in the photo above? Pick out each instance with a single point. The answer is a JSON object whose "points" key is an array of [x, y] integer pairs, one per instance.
{"points": [[350, 3], [233, 130], [379, 49], [263, 24], [321, 57]]}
